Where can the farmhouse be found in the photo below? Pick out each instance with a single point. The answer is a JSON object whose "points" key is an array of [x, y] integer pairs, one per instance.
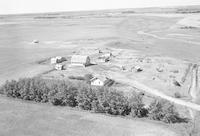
{"points": [[79, 60], [101, 81]]}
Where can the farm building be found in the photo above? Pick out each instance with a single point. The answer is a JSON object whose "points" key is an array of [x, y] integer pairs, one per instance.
{"points": [[53, 60], [59, 67], [57, 59], [35, 41], [136, 69], [103, 59], [101, 81], [79, 60], [106, 55]]}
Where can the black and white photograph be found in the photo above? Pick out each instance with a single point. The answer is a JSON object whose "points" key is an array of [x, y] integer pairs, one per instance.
{"points": [[99, 67]]}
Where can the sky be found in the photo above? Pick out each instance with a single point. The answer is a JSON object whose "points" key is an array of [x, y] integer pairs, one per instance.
{"points": [[35, 6]]}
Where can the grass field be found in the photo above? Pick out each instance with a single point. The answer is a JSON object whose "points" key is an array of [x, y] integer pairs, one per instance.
{"points": [[156, 34], [31, 119]]}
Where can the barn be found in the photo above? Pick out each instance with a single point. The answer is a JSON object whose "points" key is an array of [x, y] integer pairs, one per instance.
{"points": [[80, 60]]}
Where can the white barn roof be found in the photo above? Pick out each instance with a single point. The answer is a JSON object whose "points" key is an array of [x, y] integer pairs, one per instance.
{"points": [[80, 59]]}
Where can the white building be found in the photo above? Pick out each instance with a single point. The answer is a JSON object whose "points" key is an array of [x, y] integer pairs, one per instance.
{"points": [[136, 69], [53, 60], [103, 59], [80, 60], [59, 67], [106, 55], [57, 59], [100, 81]]}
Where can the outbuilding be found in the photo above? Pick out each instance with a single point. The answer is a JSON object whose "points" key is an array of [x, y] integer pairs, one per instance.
{"points": [[53, 60], [136, 69], [80, 60], [59, 67], [103, 59], [106, 55], [57, 59]]}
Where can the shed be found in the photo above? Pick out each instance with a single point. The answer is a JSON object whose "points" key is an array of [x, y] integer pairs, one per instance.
{"points": [[53, 60], [57, 59], [103, 59], [80, 60], [59, 67], [106, 55], [136, 69], [35, 41], [101, 81]]}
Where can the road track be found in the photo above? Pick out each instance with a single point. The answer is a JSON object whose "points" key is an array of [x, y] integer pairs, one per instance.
{"points": [[121, 77]]}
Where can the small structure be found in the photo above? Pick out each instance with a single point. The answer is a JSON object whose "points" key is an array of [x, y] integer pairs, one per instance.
{"points": [[59, 67], [160, 69], [100, 51], [106, 55], [136, 69], [103, 59], [35, 41], [101, 81], [123, 68], [176, 83], [79, 60], [53, 60], [57, 59]]}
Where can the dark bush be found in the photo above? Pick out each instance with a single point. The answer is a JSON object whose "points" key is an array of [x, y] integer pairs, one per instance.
{"points": [[177, 95], [64, 94], [76, 77], [41, 90], [164, 111], [85, 98], [137, 106], [10, 88], [112, 102]]}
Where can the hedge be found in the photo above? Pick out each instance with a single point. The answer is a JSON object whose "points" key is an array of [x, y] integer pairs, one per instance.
{"points": [[82, 95]]}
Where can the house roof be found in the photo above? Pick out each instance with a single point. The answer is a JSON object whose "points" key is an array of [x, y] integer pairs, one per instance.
{"points": [[106, 54], [102, 78], [79, 58], [59, 57]]}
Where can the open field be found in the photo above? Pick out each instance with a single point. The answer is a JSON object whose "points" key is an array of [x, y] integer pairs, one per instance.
{"points": [[21, 119], [153, 34]]}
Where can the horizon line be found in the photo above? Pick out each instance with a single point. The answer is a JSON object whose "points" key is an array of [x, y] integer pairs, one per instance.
{"points": [[90, 10]]}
